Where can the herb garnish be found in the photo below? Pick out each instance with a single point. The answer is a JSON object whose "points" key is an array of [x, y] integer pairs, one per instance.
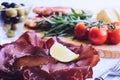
{"points": [[62, 25]]}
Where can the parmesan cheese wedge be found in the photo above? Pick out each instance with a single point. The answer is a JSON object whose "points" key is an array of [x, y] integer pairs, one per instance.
{"points": [[117, 12], [62, 53], [108, 15]]}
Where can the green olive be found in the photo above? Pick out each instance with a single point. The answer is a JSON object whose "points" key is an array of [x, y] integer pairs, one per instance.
{"points": [[11, 12], [7, 27], [1, 7], [14, 27], [21, 12], [22, 18], [26, 12], [18, 6], [10, 34]]}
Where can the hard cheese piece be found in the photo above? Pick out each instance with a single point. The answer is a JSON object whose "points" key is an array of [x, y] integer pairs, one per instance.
{"points": [[108, 15]]}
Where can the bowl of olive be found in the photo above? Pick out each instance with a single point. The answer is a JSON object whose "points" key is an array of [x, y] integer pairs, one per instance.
{"points": [[12, 19]]}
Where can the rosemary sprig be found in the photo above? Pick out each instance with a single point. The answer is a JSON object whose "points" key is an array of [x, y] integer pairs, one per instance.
{"points": [[62, 25]]}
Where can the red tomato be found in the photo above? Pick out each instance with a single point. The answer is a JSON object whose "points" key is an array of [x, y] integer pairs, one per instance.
{"points": [[114, 36], [81, 31], [98, 35]]}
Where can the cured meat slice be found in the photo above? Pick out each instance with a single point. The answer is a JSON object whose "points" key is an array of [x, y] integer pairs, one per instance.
{"points": [[31, 38], [9, 52], [79, 73], [35, 73], [29, 57], [88, 55], [46, 11], [16, 75], [31, 61]]}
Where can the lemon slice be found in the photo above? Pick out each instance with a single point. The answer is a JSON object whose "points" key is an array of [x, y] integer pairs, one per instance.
{"points": [[62, 53]]}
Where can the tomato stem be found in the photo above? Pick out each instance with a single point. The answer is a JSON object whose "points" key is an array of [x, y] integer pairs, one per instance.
{"points": [[112, 27]]}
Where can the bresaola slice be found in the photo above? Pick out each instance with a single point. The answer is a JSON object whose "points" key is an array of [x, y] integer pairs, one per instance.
{"points": [[30, 51], [10, 52], [15, 75], [36, 73], [76, 73], [8, 55], [31, 38], [88, 55], [31, 61]]}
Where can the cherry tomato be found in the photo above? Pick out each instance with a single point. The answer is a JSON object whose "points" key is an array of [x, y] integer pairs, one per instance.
{"points": [[81, 31], [114, 35], [98, 35]]}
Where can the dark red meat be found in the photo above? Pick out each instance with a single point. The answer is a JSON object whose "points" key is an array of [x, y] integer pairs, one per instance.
{"points": [[31, 38], [77, 73], [28, 58], [35, 73]]}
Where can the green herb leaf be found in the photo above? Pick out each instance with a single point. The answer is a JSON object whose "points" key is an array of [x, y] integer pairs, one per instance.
{"points": [[62, 25]]}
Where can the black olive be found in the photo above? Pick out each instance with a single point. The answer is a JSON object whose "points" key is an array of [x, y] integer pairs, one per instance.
{"points": [[12, 5], [3, 15], [22, 4], [6, 4], [15, 19], [7, 20]]}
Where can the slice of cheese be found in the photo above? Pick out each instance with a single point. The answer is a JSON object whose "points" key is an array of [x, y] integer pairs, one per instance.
{"points": [[108, 15]]}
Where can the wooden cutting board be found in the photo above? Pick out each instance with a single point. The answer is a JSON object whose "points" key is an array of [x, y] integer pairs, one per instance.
{"points": [[106, 50]]}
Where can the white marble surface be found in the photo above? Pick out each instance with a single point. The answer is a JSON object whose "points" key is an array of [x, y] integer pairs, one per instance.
{"points": [[84, 4], [93, 5]]}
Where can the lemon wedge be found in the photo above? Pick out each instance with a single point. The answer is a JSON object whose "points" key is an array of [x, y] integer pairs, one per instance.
{"points": [[62, 53]]}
